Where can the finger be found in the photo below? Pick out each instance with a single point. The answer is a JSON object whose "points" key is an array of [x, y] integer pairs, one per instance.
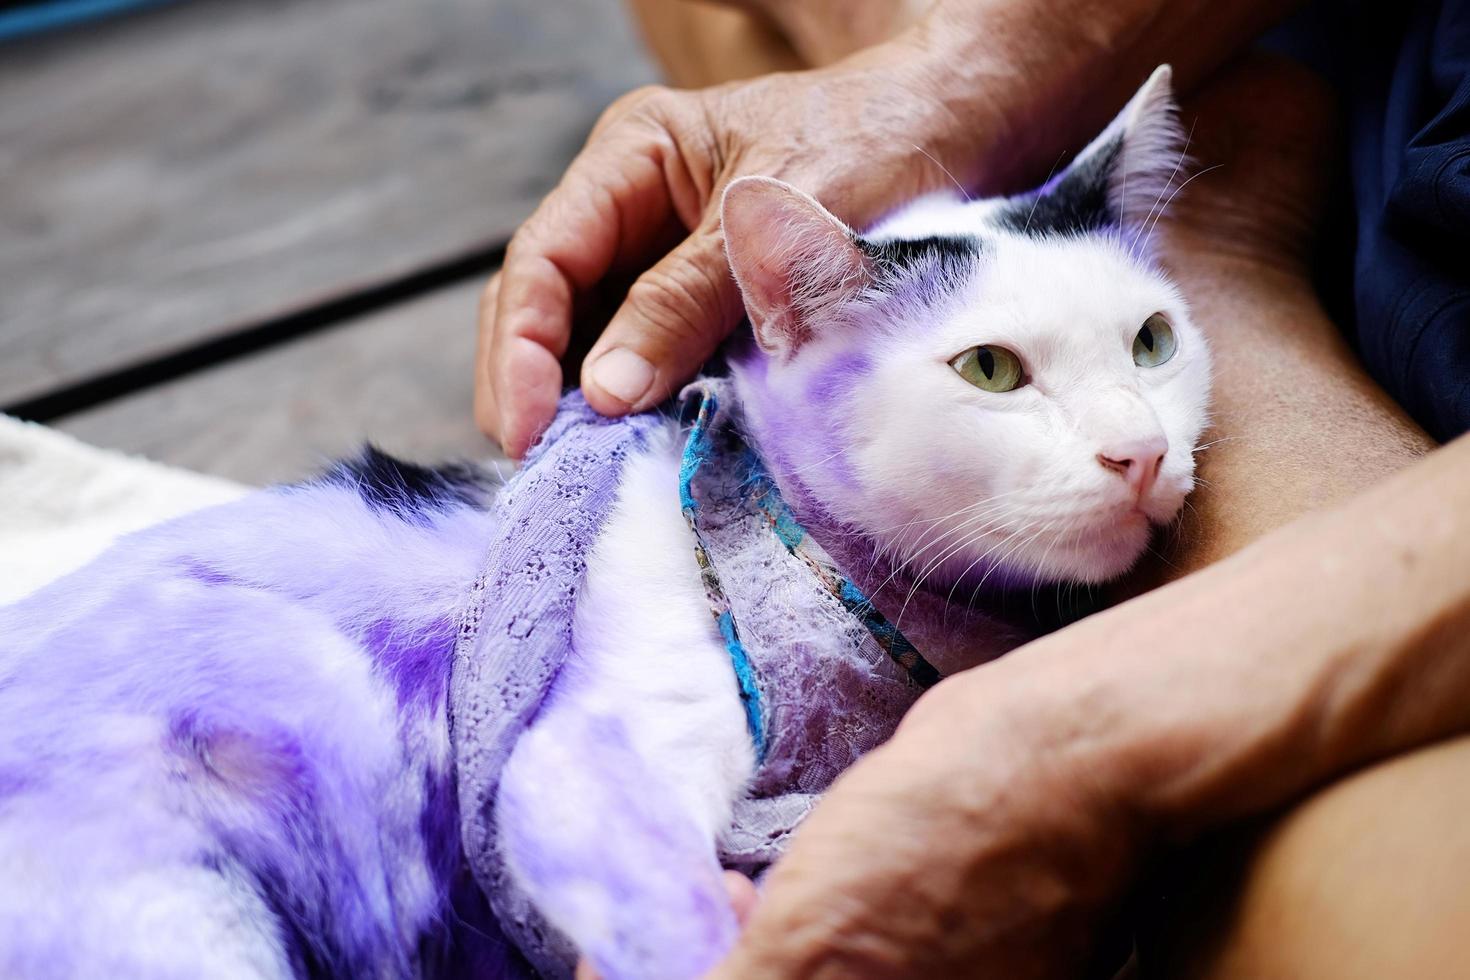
{"points": [[743, 895], [586, 971], [527, 375], [486, 415], [612, 200], [675, 316]]}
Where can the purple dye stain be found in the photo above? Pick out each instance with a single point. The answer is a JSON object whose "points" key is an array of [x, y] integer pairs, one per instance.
{"points": [[261, 764], [13, 782], [200, 571], [836, 379], [415, 658]]}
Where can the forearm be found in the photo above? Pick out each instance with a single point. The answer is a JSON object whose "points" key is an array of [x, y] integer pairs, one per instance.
{"points": [[1367, 607], [1338, 640], [1054, 72]]}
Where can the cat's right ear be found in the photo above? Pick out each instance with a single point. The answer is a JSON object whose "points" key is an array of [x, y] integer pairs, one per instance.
{"points": [[792, 259]]}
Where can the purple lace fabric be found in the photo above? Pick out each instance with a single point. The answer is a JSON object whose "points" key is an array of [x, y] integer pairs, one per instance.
{"points": [[517, 633], [828, 692]]}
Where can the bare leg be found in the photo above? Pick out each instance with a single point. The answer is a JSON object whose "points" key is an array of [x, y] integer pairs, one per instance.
{"points": [[1366, 879], [1298, 423], [700, 44]]}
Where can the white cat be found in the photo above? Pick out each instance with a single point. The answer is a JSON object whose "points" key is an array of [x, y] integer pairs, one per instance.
{"points": [[1004, 389], [378, 724]]}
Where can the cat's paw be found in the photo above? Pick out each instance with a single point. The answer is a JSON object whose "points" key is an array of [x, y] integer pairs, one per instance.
{"points": [[742, 902]]}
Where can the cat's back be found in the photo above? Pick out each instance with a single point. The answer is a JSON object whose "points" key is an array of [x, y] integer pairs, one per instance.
{"points": [[223, 737]]}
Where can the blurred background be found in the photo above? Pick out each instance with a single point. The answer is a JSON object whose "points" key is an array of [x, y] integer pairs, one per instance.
{"points": [[241, 236]]}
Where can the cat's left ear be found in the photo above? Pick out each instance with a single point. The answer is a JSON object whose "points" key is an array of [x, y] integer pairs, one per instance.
{"points": [[1124, 176], [794, 261]]}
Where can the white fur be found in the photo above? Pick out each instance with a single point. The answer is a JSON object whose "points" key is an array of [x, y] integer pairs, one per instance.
{"points": [[645, 636], [956, 481], [1070, 309], [950, 477], [648, 656]]}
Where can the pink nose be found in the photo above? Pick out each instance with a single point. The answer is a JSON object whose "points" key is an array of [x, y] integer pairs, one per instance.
{"points": [[1137, 461]]}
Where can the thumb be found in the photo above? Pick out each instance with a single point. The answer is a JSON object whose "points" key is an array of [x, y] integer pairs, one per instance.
{"points": [[674, 317]]}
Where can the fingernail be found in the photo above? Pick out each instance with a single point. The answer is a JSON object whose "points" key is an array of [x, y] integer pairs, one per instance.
{"points": [[623, 374]]}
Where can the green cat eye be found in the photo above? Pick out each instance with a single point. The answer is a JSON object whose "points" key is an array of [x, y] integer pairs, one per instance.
{"points": [[1155, 342], [989, 368]]}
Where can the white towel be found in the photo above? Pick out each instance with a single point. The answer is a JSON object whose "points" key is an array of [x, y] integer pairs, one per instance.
{"points": [[63, 501]]}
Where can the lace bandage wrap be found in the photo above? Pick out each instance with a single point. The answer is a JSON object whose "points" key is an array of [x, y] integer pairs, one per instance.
{"points": [[827, 691]]}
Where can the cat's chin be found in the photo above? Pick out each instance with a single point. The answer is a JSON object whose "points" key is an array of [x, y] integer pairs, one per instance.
{"points": [[1098, 554]]}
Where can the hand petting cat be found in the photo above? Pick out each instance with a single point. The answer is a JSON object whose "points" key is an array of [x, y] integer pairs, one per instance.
{"points": [[655, 167], [956, 98], [995, 833]]}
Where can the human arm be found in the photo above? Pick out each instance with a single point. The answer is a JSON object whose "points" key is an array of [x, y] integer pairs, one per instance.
{"points": [[990, 836], [988, 93]]}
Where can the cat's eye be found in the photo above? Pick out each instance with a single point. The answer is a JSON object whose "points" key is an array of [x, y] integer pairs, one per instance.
{"points": [[1155, 342], [990, 368]]}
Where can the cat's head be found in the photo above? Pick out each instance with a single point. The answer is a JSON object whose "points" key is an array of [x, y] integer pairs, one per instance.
{"points": [[1009, 383]]}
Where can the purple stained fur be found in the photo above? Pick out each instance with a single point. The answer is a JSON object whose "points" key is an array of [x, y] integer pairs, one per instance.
{"points": [[227, 744], [660, 898], [244, 709]]}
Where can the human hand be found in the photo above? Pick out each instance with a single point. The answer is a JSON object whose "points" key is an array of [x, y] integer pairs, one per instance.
{"points": [[953, 99], [863, 136], [986, 839], [1012, 809]]}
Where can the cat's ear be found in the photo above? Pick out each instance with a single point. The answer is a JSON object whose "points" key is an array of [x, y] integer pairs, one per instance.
{"points": [[1150, 159], [792, 259], [1122, 178]]}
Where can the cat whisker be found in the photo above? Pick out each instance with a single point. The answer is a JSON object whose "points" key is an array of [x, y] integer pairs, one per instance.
{"points": [[972, 564], [944, 170], [820, 462], [934, 565], [951, 514], [1176, 194], [970, 522], [1133, 246], [1032, 213], [1016, 546], [1041, 565], [1213, 442]]}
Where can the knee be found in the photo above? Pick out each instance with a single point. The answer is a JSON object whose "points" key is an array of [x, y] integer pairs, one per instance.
{"points": [[1364, 879]]}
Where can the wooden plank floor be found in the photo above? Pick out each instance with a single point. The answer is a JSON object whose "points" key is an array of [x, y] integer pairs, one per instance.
{"points": [[181, 175], [401, 377]]}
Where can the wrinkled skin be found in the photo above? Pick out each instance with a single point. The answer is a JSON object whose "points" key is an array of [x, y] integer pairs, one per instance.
{"points": [[654, 166], [996, 834]]}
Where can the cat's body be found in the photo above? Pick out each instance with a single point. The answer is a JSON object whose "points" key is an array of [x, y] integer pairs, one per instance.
{"points": [[269, 788]]}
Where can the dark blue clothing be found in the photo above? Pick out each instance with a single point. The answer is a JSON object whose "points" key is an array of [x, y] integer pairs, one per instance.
{"points": [[1408, 83], [1396, 268]]}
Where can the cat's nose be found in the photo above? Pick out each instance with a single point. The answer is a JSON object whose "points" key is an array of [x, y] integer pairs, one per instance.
{"points": [[1137, 461]]}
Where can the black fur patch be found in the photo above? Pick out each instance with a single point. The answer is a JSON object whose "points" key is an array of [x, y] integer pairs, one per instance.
{"points": [[407, 489], [1078, 203], [898, 258]]}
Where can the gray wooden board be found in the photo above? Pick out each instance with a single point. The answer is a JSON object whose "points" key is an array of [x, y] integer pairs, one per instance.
{"points": [[175, 175], [402, 377]]}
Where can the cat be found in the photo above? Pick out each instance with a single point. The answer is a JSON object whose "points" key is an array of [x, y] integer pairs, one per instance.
{"points": [[234, 746]]}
